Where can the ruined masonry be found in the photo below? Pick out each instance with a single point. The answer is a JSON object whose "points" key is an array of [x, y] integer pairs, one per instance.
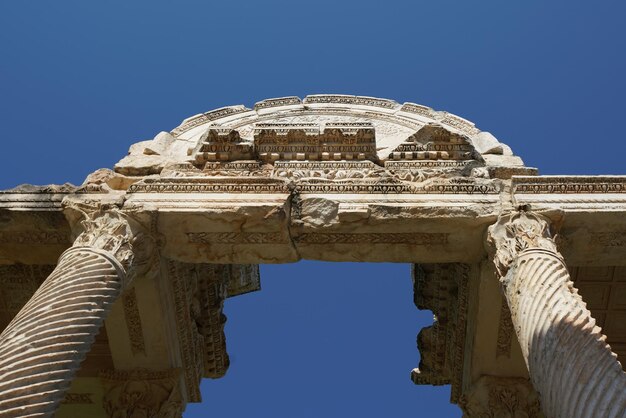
{"points": [[111, 292]]}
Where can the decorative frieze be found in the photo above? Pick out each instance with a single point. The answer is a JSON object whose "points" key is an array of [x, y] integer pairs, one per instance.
{"points": [[505, 332], [133, 322], [210, 185], [18, 283], [433, 142], [183, 282], [222, 144], [212, 290], [453, 186], [237, 237], [498, 397], [410, 238], [418, 110], [350, 100], [378, 183], [461, 124], [83, 398], [568, 184], [278, 102], [609, 239], [429, 164], [235, 168], [244, 278], [338, 105], [442, 288], [309, 141], [208, 117], [142, 393], [324, 166], [329, 170], [198, 292]]}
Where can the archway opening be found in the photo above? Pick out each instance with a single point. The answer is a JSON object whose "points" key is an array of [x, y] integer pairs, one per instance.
{"points": [[324, 340]]}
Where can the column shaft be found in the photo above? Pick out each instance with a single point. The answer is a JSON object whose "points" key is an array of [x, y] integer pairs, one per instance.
{"points": [[569, 362], [42, 348]]}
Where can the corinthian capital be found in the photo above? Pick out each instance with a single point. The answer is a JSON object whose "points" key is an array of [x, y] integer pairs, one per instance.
{"points": [[515, 232], [107, 228]]}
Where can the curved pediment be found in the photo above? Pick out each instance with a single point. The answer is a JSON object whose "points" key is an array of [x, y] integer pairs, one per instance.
{"points": [[288, 131], [391, 121]]}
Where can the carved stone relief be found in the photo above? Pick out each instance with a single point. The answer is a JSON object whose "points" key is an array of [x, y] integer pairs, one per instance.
{"points": [[18, 283], [142, 393], [365, 238], [78, 398], [133, 322], [506, 332], [33, 237], [569, 185], [433, 142], [553, 324], [198, 292], [442, 288], [287, 148], [501, 397]]}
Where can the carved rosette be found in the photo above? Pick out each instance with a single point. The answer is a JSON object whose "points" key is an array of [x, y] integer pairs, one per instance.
{"points": [[42, 348], [569, 362]]}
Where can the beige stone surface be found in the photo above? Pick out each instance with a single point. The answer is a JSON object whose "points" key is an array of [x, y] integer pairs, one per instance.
{"points": [[570, 364], [327, 177]]}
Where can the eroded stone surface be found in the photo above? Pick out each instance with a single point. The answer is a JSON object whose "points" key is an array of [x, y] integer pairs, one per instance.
{"points": [[330, 177]]}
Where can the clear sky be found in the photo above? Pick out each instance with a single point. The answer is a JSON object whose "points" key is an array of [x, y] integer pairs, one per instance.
{"points": [[80, 81]]}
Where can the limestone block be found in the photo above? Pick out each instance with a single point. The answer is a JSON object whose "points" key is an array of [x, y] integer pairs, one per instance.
{"points": [[486, 143], [149, 157]]}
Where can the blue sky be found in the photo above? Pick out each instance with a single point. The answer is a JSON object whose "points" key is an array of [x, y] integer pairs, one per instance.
{"points": [[81, 81]]}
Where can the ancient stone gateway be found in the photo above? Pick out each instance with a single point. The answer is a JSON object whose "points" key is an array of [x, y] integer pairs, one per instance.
{"points": [[152, 248]]}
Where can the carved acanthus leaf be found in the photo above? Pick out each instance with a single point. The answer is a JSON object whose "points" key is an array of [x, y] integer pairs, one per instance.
{"points": [[516, 232], [116, 233]]}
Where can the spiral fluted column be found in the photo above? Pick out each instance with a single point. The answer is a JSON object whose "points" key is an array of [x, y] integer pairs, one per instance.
{"points": [[42, 348], [570, 365]]}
